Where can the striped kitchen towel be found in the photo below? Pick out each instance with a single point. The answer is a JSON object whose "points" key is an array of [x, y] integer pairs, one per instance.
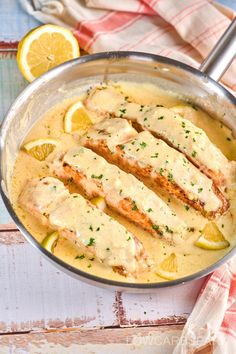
{"points": [[212, 323], [183, 30]]}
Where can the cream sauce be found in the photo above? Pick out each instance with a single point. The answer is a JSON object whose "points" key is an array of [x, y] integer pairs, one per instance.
{"points": [[115, 133], [149, 151], [83, 223], [42, 196], [190, 258], [117, 185], [92, 229]]}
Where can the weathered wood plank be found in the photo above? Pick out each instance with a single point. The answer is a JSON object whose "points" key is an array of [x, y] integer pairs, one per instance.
{"points": [[8, 46], [164, 306], [35, 295], [132, 340]]}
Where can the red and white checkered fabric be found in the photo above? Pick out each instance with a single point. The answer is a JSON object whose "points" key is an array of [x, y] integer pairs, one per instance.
{"points": [[214, 315], [183, 30]]}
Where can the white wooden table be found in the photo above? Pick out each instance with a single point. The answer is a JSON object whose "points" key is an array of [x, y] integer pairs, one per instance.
{"points": [[42, 310]]}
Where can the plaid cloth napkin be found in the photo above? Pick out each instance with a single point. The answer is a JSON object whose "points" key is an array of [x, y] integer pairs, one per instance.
{"points": [[213, 319], [183, 30], [186, 31]]}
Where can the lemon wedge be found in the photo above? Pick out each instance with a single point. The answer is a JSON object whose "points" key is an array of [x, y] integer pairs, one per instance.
{"points": [[99, 202], [211, 238], [41, 148], [76, 118], [45, 47], [50, 241], [168, 268]]}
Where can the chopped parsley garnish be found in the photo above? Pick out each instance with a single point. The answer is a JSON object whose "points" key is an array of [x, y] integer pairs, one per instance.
{"points": [[145, 119], [97, 177], [143, 144], [122, 147], [159, 105], [134, 206], [91, 228], [128, 239], [123, 111], [149, 210], [191, 229], [91, 241], [194, 154], [169, 230], [155, 155], [161, 171], [107, 249], [54, 187], [228, 139], [98, 228], [155, 227], [126, 98], [90, 265], [200, 190], [186, 207], [82, 256], [183, 124], [141, 108], [170, 177], [161, 117]]}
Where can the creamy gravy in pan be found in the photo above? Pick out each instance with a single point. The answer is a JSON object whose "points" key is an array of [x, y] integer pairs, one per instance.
{"points": [[190, 258]]}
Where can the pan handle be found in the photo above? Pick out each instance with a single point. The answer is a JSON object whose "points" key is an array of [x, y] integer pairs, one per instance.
{"points": [[221, 55]]}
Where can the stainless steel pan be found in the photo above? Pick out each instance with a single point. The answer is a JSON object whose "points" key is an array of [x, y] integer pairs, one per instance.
{"points": [[74, 77]]}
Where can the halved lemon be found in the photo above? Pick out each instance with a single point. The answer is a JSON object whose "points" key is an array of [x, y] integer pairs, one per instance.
{"points": [[50, 241], [44, 48], [168, 268], [211, 238], [99, 202], [41, 148], [76, 118]]}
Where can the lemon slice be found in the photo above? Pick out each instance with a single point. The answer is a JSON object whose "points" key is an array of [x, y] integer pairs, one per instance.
{"points": [[50, 241], [168, 268], [44, 48], [99, 202], [212, 238], [76, 118], [41, 148]]}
